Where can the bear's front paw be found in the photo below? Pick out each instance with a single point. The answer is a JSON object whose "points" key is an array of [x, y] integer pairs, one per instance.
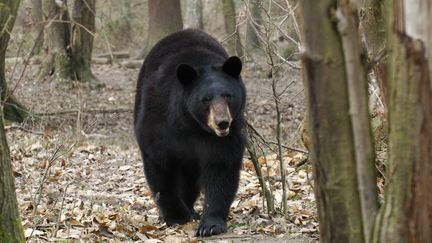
{"points": [[211, 226], [177, 219]]}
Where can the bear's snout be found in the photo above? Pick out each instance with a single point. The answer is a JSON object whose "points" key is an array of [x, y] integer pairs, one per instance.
{"points": [[219, 117]]}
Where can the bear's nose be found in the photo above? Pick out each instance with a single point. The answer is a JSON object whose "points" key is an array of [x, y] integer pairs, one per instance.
{"points": [[223, 124]]}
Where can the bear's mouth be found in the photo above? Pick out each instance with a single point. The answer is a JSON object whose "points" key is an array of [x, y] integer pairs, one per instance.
{"points": [[219, 118], [221, 132]]}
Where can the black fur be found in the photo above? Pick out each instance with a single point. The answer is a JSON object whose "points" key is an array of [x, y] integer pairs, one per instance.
{"points": [[181, 154]]}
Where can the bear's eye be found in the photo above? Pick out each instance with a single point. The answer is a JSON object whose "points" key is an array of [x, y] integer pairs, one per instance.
{"points": [[226, 95], [206, 99]]}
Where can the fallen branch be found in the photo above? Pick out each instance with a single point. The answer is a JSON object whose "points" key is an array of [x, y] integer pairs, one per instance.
{"points": [[23, 129], [116, 55], [98, 111]]}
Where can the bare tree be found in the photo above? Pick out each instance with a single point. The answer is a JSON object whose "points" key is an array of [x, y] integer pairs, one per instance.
{"points": [[68, 42], [253, 24], [82, 29], [37, 19], [194, 17], [233, 40], [164, 18], [406, 215], [12, 109], [10, 222], [326, 72]]}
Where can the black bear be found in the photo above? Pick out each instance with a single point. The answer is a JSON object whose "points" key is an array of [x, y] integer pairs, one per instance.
{"points": [[189, 126]]}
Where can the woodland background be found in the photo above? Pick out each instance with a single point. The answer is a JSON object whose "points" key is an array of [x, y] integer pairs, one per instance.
{"points": [[339, 114]]}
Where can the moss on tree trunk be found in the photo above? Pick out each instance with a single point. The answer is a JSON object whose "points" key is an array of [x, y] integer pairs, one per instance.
{"points": [[13, 109], [10, 222], [406, 215], [332, 144]]}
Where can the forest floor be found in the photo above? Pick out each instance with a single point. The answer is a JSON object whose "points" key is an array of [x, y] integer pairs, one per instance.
{"points": [[78, 170]]}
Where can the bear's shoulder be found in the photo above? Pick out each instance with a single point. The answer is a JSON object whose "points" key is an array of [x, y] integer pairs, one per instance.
{"points": [[188, 46]]}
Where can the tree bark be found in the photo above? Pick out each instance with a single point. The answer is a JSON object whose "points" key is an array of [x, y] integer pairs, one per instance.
{"points": [[56, 40], [164, 18], [233, 45], [373, 24], [194, 17], [69, 44], [346, 15], [253, 24], [13, 110], [332, 142], [406, 215], [10, 222], [82, 29], [37, 18]]}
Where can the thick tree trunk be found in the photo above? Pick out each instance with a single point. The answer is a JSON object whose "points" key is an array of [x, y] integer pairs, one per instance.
{"points": [[358, 99], [13, 110], [83, 27], [332, 141], [194, 17], [69, 44], [10, 222], [37, 18], [406, 215], [253, 24], [374, 25], [164, 18], [56, 40], [233, 44]]}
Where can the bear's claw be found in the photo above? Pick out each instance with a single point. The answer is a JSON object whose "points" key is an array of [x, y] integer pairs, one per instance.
{"points": [[211, 227]]}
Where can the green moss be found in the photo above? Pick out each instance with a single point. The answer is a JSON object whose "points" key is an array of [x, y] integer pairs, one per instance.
{"points": [[12, 232]]}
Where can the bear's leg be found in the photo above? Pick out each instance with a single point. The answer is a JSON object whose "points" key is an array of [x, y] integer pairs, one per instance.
{"points": [[163, 184], [220, 187], [190, 190]]}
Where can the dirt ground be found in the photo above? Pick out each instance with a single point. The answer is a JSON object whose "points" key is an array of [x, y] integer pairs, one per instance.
{"points": [[79, 174]]}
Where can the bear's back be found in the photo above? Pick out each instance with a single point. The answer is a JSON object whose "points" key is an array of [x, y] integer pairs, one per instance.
{"points": [[191, 45]]}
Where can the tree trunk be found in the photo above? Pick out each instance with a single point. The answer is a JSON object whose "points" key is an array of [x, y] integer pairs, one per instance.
{"points": [[406, 215], [82, 29], [10, 222], [358, 99], [253, 24], [164, 18], [37, 18], [233, 41], [374, 25], [332, 141], [69, 44], [13, 110], [194, 17], [56, 40]]}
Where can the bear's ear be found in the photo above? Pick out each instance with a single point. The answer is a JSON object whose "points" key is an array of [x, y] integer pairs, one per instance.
{"points": [[186, 74], [232, 66]]}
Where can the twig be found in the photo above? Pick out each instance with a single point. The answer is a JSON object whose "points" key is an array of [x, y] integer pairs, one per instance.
{"points": [[99, 111], [57, 225], [24, 129], [250, 127], [38, 196]]}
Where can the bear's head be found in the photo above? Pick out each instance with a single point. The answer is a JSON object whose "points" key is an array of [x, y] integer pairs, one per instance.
{"points": [[214, 95]]}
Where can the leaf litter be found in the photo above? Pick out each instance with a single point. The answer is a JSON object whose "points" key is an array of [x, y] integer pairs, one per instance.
{"points": [[92, 192], [83, 179]]}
